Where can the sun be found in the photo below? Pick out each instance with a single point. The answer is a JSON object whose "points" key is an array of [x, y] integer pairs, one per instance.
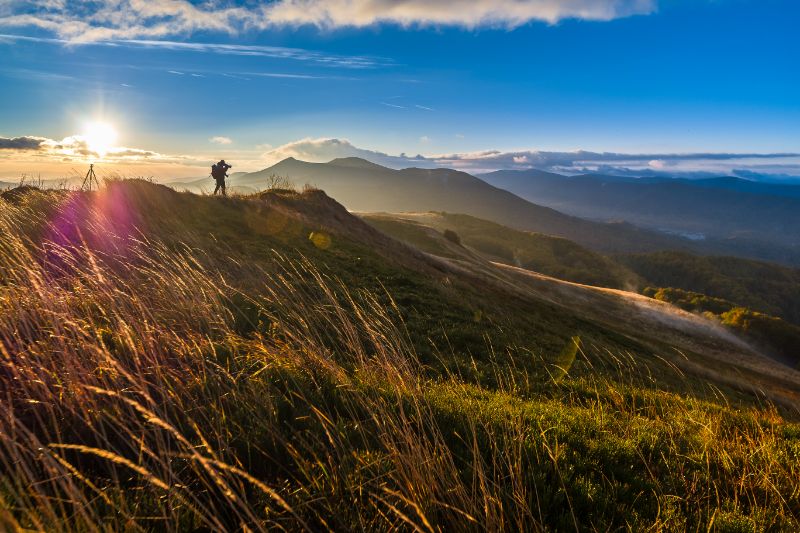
{"points": [[100, 137]]}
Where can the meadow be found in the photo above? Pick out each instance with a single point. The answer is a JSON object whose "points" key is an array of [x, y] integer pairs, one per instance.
{"points": [[179, 362]]}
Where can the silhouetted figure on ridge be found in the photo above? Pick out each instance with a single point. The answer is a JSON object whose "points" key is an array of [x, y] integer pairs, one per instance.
{"points": [[219, 171]]}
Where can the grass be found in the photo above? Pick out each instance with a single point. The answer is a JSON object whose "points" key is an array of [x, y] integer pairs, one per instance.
{"points": [[549, 255], [152, 384]]}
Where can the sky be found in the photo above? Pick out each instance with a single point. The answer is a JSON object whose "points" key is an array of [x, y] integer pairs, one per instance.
{"points": [[163, 88]]}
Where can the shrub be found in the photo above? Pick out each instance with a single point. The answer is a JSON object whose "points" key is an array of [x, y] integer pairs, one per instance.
{"points": [[452, 236]]}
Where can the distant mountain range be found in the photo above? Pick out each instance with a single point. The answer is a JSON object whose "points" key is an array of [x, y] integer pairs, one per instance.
{"points": [[723, 208], [364, 186], [607, 214]]}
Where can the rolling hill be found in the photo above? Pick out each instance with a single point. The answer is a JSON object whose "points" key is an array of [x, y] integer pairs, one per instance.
{"points": [[179, 361], [765, 287], [721, 209], [754, 299], [553, 256], [364, 186]]}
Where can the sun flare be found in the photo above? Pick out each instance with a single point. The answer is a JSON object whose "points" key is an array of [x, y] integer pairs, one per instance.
{"points": [[100, 137]]}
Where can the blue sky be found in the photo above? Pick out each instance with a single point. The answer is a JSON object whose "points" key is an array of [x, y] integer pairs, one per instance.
{"points": [[474, 84]]}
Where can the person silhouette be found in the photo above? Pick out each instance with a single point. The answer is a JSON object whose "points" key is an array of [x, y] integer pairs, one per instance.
{"points": [[219, 171]]}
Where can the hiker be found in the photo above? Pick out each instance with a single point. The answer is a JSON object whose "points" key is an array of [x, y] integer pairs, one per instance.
{"points": [[219, 171]]}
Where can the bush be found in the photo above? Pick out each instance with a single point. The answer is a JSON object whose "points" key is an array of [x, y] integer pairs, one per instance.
{"points": [[452, 236]]}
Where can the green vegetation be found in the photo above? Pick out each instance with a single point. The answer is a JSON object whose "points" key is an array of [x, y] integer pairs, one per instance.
{"points": [[763, 287], [176, 362], [548, 255], [779, 337], [452, 236], [690, 301]]}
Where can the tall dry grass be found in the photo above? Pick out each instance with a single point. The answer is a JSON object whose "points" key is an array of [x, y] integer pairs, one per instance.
{"points": [[127, 395], [140, 391]]}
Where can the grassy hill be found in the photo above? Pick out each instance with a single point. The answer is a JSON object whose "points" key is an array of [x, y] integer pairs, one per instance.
{"points": [[173, 361], [556, 257], [772, 333], [764, 287], [364, 186]]}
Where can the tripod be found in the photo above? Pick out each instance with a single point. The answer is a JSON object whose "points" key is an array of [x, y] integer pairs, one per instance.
{"points": [[89, 179]]}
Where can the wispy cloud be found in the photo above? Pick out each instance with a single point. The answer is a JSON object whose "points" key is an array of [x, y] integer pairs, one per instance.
{"points": [[396, 106], [115, 20], [275, 52], [32, 74], [424, 108], [287, 76], [221, 140]]}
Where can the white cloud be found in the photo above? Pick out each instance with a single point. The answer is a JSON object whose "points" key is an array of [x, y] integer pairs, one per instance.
{"points": [[221, 140], [577, 162], [464, 13], [105, 20], [325, 149], [424, 139]]}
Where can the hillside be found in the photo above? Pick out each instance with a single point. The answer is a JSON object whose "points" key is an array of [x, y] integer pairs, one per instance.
{"points": [[771, 334], [553, 256], [727, 212], [364, 186], [764, 287], [181, 362], [740, 280]]}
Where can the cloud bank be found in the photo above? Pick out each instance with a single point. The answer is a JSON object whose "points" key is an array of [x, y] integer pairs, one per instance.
{"points": [[32, 152], [104, 20], [771, 166], [21, 143], [74, 148]]}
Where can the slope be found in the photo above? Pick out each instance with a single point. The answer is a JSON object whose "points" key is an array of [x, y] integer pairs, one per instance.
{"points": [[554, 256], [364, 186], [722, 209], [275, 362], [765, 287]]}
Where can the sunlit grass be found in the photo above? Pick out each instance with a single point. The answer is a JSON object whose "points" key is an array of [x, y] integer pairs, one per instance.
{"points": [[141, 389]]}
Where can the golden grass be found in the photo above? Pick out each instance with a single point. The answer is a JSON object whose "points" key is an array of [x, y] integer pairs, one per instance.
{"points": [[129, 401]]}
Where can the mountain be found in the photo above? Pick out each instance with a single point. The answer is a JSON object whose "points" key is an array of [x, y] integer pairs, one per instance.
{"points": [[723, 210], [364, 186]]}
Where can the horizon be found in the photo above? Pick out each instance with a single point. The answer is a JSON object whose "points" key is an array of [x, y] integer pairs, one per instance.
{"points": [[596, 86]]}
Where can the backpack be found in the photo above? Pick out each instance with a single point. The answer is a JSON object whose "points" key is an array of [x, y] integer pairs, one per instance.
{"points": [[215, 171]]}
